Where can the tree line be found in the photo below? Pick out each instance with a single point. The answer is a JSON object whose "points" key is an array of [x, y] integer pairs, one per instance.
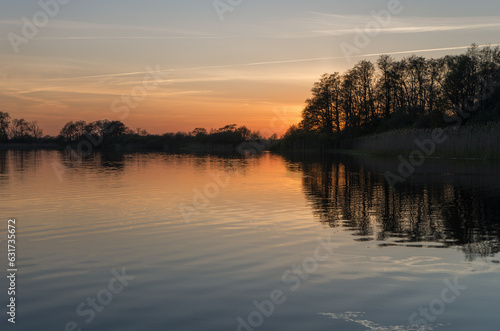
{"points": [[103, 133], [411, 92], [117, 132], [16, 130]]}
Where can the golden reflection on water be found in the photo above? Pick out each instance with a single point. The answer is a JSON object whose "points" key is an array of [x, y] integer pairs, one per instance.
{"points": [[145, 190], [393, 247]]}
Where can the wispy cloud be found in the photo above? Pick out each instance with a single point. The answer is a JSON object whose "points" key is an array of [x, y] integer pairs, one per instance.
{"points": [[429, 50], [263, 63], [101, 27], [338, 25], [313, 25], [74, 30], [128, 37]]}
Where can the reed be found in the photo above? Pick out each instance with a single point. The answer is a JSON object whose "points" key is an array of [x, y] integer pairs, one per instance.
{"points": [[475, 141]]}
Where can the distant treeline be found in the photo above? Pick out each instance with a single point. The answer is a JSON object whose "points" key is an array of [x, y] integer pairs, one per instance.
{"points": [[105, 134], [102, 134], [411, 93]]}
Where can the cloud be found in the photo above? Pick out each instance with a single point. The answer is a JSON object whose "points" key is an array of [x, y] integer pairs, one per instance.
{"points": [[99, 27], [127, 37], [428, 50], [74, 30], [263, 63], [340, 25]]}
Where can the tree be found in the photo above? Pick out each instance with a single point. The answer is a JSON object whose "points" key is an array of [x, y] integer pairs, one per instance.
{"points": [[416, 78], [245, 133], [94, 129], [116, 128], [461, 83], [311, 117], [323, 111], [487, 62], [435, 83], [4, 126], [73, 131], [227, 128], [19, 129], [200, 132], [365, 79], [34, 130], [349, 99], [386, 84], [142, 132]]}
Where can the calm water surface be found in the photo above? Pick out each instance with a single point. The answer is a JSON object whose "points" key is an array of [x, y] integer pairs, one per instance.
{"points": [[208, 239]]}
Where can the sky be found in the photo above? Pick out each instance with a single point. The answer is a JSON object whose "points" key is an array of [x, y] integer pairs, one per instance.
{"points": [[175, 65]]}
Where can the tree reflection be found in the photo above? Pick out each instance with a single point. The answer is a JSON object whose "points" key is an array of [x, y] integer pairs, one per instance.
{"points": [[434, 211]]}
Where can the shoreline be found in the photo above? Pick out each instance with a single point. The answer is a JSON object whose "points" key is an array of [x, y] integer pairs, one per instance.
{"points": [[29, 146], [223, 149]]}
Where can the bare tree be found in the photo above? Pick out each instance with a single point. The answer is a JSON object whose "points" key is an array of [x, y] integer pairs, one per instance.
{"points": [[365, 84], [323, 110], [34, 130], [4, 126], [19, 129], [386, 84]]}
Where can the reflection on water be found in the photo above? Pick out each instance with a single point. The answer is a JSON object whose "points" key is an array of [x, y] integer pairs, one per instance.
{"points": [[446, 204], [438, 211], [79, 219]]}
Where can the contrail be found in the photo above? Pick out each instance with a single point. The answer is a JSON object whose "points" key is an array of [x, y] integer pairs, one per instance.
{"points": [[275, 62], [130, 37], [426, 50]]}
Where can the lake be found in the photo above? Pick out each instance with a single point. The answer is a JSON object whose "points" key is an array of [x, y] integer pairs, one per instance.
{"points": [[183, 242]]}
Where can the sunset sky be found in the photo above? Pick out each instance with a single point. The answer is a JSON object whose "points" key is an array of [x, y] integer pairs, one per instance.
{"points": [[261, 60]]}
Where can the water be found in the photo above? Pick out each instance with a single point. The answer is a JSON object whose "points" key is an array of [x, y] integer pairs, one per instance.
{"points": [[203, 239]]}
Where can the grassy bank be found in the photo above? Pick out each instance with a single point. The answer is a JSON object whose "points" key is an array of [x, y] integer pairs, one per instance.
{"points": [[477, 141]]}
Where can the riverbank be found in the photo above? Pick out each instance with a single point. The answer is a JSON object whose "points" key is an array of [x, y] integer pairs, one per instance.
{"points": [[466, 142], [30, 146], [469, 142], [244, 148]]}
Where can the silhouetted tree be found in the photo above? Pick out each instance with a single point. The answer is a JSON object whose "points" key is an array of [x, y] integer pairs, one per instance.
{"points": [[115, 128], [94, 129], [19, 129], [411, 92], [73, 131], [34, 130], [349, 99], [365, 85], [435, 85], [386, 84], [416, 81], [4, 126], [323, 110], [461, 83], [199, 131]]}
